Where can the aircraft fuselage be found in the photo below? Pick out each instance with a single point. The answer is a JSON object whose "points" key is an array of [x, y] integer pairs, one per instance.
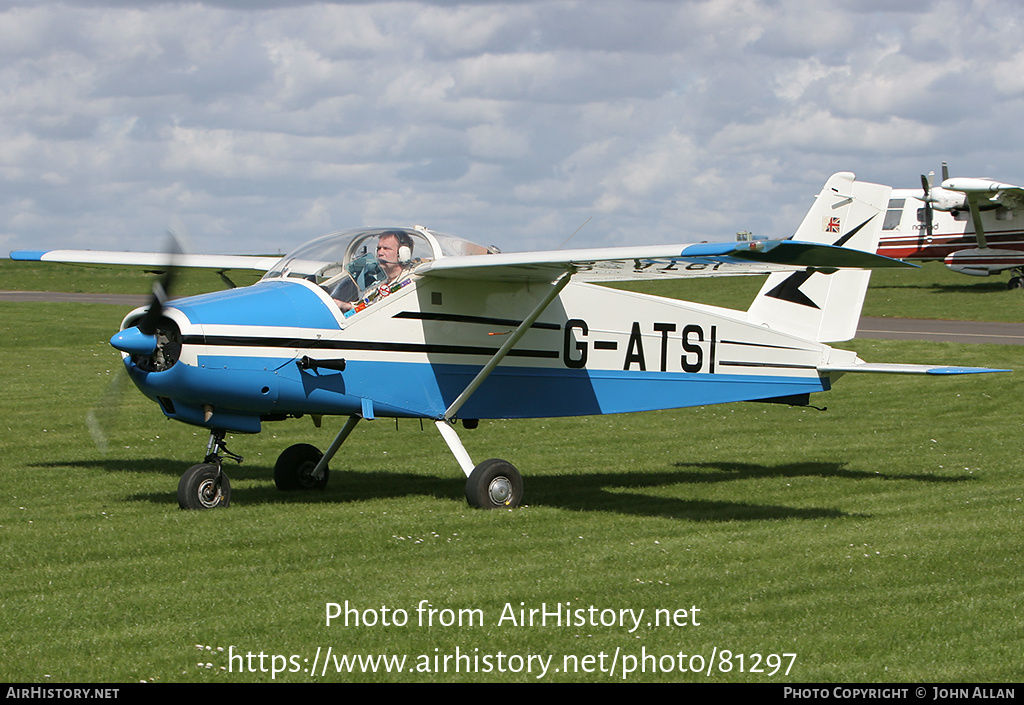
{"points": [[595, 350]]}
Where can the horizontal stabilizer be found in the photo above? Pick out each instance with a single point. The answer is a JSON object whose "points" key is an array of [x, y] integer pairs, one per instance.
{"points": [[900, 369], [793, 253]]}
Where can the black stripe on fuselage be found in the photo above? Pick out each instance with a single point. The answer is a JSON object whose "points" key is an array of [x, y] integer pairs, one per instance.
{"points": [[780, 366], [238, 341], [483, 320]]}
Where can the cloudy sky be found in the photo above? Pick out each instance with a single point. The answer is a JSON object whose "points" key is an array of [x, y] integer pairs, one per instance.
{"points": [[262, 124]]}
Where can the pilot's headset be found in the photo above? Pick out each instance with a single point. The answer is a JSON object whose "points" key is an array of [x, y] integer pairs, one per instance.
{"points": [[405, 246]]}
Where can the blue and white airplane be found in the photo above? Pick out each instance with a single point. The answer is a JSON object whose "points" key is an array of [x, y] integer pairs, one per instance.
{"points": [[407, 322]]}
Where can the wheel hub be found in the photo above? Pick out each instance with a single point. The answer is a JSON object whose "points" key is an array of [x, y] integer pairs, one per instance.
{"points": [[499, 490], [209, 493], [306, 479]]}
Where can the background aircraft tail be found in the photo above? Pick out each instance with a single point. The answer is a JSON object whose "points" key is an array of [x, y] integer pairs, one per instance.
{"points": [[817, 305]]}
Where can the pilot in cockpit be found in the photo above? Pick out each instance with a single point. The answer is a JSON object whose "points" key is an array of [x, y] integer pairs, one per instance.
{"points": [[380, 276]]}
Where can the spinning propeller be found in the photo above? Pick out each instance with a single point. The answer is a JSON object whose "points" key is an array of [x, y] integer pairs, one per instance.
{"points": [[142, 339], [929, 199]]}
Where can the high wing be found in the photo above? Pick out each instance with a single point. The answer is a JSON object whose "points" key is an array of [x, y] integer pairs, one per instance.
{"points": [[659, 262], [588, 265], [983, 194], [147, 259], [998, 193]]}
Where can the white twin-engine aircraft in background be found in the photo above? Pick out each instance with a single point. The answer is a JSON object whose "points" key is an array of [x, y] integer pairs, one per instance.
{"points": [[407, 322], [968, 223]]}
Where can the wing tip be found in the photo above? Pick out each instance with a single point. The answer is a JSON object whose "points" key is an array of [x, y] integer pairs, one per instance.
{"points": [[963, 370], [28, 255]]}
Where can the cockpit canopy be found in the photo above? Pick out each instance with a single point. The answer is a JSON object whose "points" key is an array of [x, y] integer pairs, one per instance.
{"points": [[344, 247], [345, 263]]}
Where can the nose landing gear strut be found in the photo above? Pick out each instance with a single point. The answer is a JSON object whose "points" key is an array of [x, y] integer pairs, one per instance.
{"points": [[205, 485]]}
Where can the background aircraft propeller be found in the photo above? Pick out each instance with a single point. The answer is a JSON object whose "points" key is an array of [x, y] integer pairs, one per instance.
{"points": [[927, 184]]}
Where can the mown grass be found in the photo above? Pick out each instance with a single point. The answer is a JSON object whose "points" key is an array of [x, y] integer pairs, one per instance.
{"points": [[78, 278], [878, 540]]}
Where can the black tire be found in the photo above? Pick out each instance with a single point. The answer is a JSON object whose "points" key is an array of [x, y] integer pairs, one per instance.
{"points": [[294, 468], [201, 488], [1015, 283], [494, 484]]}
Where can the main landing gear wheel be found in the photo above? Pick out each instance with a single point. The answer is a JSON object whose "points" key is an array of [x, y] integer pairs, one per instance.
{"points": [[494, 484], [295, 466], [1015, 283], [204, 486]]}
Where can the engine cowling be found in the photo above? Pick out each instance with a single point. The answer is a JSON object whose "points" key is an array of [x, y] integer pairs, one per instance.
{"points": [[983, 261]]}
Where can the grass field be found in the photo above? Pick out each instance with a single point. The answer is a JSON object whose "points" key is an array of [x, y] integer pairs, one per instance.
{"points": [[878, 540]]}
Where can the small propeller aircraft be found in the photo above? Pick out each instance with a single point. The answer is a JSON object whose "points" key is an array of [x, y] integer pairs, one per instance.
{"points": [[408, 322], [968, 223]]}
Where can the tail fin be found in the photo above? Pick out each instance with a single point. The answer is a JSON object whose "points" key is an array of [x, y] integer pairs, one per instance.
{"points": [[817, 305]]}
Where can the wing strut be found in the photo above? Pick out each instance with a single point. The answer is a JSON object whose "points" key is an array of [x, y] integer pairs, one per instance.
{"points": [[979, 229], [444, 424], [517, 334]]}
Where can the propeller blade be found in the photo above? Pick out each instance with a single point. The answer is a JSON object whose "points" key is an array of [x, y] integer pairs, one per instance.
{"points": [[140, 340], [101, 418], [177, 241], [926, 184]]}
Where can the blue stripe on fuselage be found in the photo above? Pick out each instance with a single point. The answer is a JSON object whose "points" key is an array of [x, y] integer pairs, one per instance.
{"points": [[528, 393], [423, 389]]}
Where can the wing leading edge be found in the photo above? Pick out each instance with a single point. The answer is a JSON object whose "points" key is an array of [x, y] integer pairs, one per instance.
{"points": [[147, 259], [659, 262]]}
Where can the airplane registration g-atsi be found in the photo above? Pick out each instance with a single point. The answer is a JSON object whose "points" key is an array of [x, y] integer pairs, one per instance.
{"points": [[411, 323], [968, 223]]}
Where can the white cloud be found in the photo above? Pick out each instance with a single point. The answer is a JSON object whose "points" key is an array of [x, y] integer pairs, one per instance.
{"points": [[517, 121], [820, 132], [1008, 75]]}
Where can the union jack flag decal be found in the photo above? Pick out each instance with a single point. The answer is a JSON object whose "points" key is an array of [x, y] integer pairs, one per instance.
{"points": [[831, 225]]}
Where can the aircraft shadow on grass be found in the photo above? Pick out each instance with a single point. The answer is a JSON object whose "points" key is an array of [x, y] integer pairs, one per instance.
{"points": [[619, 492]]}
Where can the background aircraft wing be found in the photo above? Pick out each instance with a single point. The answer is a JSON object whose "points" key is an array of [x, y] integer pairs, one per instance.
{"points": [[997, 192], [658, 262], [157, 260], [985, 193]]}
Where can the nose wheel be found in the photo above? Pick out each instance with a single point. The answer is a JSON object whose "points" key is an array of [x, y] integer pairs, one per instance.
{"points": [[205, 485]]}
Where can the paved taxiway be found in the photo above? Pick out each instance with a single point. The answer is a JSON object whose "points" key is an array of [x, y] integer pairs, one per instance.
{"points": [[947, 331], [886, 328]]}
